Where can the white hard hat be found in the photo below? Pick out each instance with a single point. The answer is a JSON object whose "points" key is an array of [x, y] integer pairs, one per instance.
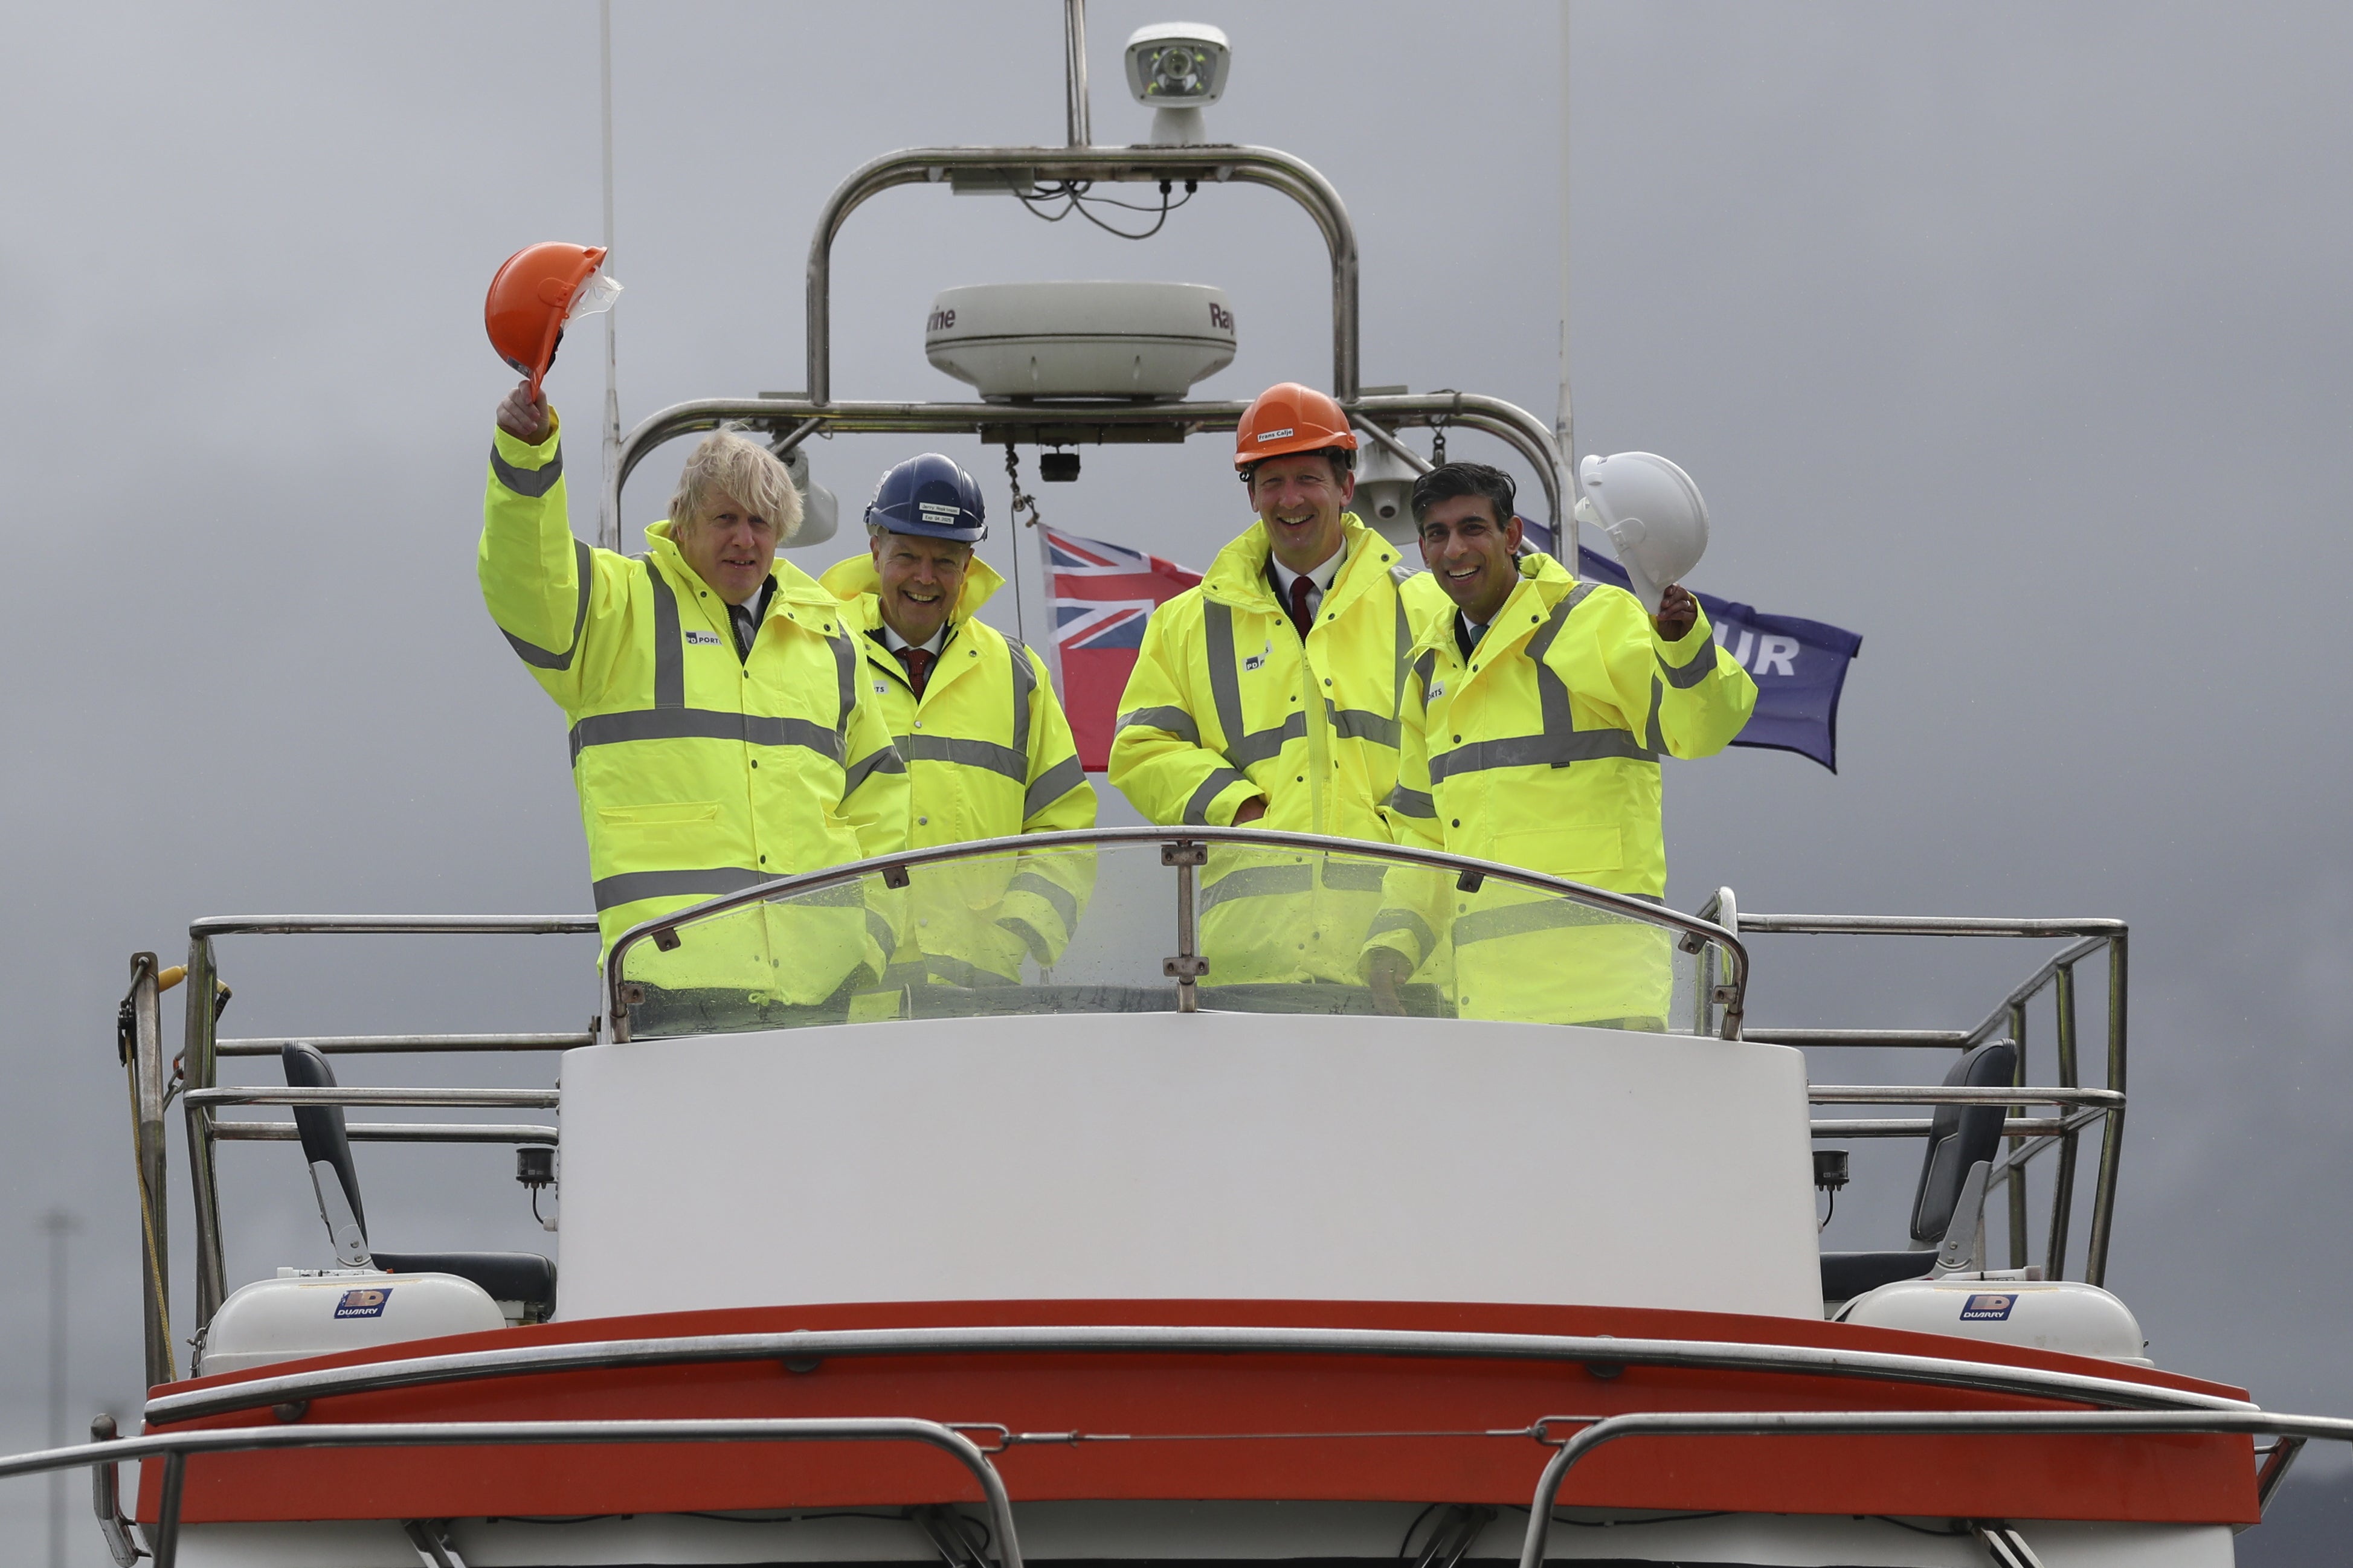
{"points": [[1653, 516]]}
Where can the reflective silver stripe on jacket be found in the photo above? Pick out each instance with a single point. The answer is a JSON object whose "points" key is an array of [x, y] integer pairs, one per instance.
{"points": [[628, 886], [1684, 676], [1196, 809], [1025, 682], [531, 653], [1411, 803], [1053, 785], [1561, 742], [532, 483], [881, 760], [1243, 746], [986, 755], [1065, 903], [669, 651], [705, 725], [1258, 882], [1172, 721], [1413, 925], [1518, 919]]}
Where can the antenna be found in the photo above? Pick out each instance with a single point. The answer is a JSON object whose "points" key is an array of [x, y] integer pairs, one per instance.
{"points": [[1075, 53], [1564, 427], [608, 524]]}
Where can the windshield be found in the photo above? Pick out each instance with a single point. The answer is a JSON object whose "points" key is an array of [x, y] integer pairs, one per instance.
{"points": [[1155, 920]]}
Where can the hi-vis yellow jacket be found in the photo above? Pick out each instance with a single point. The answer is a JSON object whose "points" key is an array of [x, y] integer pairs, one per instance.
{"points": [[1542, 750], [989, 755], [1226, 703], [698, 773]]}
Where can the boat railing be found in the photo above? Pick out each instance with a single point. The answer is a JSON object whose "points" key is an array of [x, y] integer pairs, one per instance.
{"points": [[1298, 915], [2028, 1136], [156, 1080]]}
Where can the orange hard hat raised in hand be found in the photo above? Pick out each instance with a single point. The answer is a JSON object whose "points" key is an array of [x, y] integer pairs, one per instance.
{"points": [[1289, 417], [539, 289]]}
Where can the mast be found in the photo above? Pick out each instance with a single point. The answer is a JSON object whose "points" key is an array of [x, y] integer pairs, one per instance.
{"points": [[1563, 426], [608, 524]]}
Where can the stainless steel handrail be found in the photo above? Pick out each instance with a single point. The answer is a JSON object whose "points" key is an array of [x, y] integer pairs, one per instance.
{"points": [[1220, 165], [798, 417], [393, 925], [394, 1132], [1945, 1094], [1886, 1423], [200, 1053], [801, 1345], [1625, 904], [175, 1447], [345, 1095], [389, 1045], [2109, 936]]}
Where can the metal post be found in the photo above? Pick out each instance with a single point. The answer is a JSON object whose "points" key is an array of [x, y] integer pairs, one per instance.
{"points": [[148, 1086], [2062, 1201], [164, 1544], [59, 1224], [2111, 1135], [1187, 966], [1075, 53], [2016, 1181], [197, 1072]]}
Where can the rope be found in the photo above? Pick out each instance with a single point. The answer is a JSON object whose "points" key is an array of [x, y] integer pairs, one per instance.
{"points": [[1020, 502]]}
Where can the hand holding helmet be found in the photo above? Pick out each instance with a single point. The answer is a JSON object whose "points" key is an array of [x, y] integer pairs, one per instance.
{"points": [[1656, 522]]}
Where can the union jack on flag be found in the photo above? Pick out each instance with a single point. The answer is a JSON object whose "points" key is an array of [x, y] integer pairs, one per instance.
{"points": [[1103, 596]]}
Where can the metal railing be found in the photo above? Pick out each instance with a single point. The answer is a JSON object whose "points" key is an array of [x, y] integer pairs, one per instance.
{"points": [[800, 1346], [2028, 1136], [795, 419], [1178, 851], [177, 1447], [155, 1084], [1597, 1430]]}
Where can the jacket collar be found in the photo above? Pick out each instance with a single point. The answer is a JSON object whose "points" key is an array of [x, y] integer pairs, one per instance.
{"points": [[1239, 575], [793, 586], [1543, 583], [859, 586]]}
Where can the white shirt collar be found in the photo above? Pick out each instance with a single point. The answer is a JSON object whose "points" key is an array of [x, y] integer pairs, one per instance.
{"points": [[1321, 576], [894, 642]]}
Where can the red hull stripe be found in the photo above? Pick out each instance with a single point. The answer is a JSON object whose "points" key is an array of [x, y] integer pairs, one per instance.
{"points": [[1286, 1426]]}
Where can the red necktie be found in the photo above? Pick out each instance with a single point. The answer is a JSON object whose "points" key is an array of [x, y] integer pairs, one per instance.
{"points": [[1301, 615], [919, 667]]}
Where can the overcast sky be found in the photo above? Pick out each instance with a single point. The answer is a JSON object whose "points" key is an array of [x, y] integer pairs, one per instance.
{"points": [[2011, 337]]}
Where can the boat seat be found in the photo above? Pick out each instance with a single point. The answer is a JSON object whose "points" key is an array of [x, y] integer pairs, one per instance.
{"points": [[1960, 1136], [522, 1276]]}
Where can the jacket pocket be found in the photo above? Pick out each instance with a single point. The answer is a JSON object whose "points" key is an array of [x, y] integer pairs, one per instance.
{"points": [[668, 833], [1576, 850]]}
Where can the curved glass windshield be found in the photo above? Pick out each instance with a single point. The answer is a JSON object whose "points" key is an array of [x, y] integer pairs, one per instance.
{"points": [[1120, 925]]}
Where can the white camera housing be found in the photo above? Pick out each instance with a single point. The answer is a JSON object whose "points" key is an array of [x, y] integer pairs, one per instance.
{"points": [[1176, 70]]}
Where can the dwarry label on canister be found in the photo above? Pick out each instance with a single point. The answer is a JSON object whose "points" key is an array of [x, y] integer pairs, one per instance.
{"points": [[1987, 1309], [367, 1302]]}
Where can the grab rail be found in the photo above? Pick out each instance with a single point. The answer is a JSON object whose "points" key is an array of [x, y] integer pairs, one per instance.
{"points": [[1694, 930]]}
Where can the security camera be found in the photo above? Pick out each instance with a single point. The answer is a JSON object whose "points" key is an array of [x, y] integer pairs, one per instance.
{"points": [[1175, 68]]}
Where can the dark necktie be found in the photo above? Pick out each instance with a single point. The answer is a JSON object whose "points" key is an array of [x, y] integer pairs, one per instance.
{"points": [[1301, 616], [919, 667], [745, 621]]}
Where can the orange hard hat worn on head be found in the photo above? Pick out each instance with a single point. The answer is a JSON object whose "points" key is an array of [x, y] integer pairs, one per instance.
{"points": [[541, 287], [1286, 418]]}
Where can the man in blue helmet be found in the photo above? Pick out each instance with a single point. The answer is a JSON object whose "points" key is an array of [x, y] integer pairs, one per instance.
{"points": [[989, 754]]}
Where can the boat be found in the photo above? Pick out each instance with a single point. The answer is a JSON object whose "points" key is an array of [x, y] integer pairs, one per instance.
{"points": [[1134, 1261]]}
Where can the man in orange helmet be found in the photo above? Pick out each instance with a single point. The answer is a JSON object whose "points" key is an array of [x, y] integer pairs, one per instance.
{"points": [[1268, 694]]}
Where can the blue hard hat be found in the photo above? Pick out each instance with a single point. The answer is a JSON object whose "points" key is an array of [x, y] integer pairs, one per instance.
{"points": [[931, 496]]}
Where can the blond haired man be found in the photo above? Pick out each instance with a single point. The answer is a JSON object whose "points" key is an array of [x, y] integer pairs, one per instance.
{"points": [[719, 737]]}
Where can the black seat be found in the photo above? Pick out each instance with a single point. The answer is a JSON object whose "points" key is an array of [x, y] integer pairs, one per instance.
{"points": [[1959, 1138], [520, 1277]]}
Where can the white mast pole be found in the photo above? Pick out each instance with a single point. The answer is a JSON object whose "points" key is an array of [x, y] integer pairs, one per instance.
{"points": [[1563, 427], [608, 528]]}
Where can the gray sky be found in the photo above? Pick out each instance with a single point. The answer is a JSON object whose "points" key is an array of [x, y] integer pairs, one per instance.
{"points": [[2011, 337]]}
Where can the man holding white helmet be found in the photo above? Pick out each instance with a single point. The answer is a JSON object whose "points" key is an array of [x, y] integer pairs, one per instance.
{"points": [[1536, 711]]}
